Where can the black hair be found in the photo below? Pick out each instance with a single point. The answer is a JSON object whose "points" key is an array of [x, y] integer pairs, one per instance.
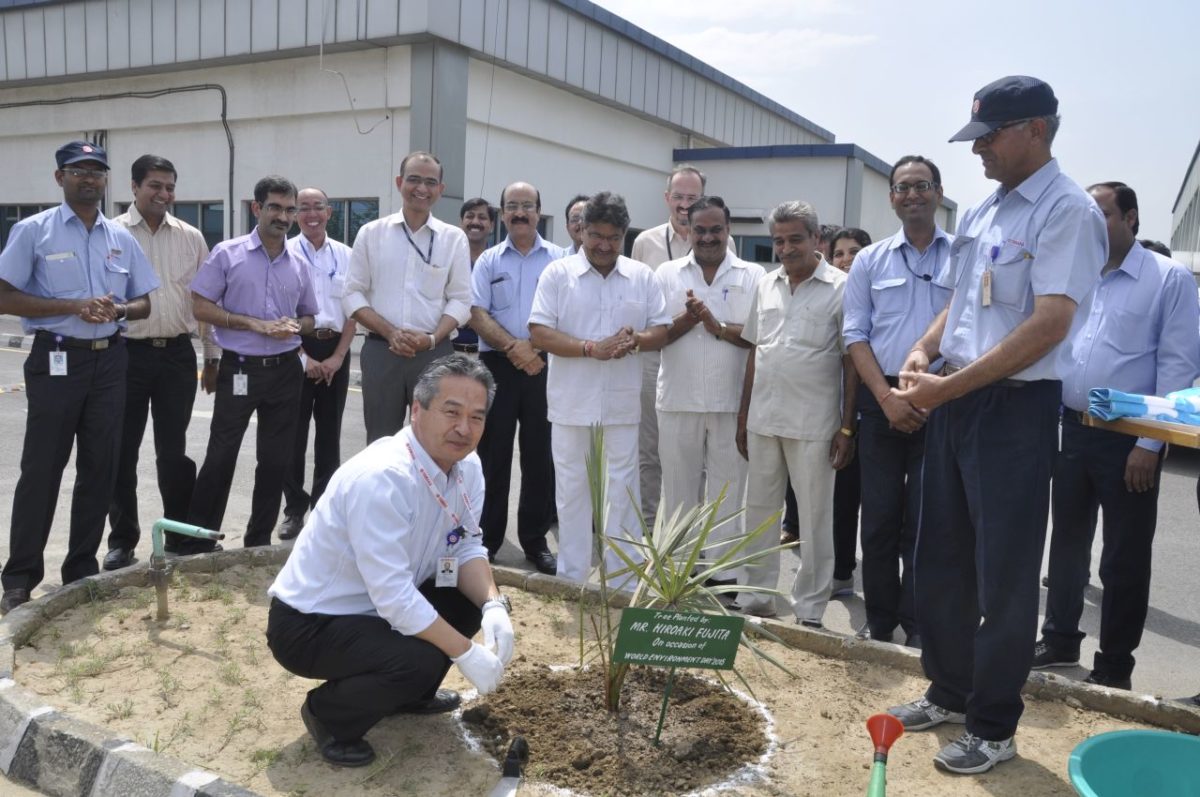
{"points": [[273, 184], [706, 202], [477, 202], [151, 163], [1126, 198], [854, 233], [574, 201], [907, 159], [607, 208]]}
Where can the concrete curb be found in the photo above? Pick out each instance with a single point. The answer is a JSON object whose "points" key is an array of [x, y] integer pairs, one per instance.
{"points": [[49, 750]]}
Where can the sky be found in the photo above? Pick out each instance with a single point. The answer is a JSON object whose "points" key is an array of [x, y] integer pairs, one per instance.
{"points": [[898, 78]]}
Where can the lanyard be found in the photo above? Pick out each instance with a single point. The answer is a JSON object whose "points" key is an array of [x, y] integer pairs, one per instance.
{"points": [[441, 499], [667, 236], [424, 257], [304, 244], [904, 254]]}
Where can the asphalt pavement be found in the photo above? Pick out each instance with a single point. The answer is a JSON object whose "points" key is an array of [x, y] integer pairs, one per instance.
{"points": [[1168, 660]]}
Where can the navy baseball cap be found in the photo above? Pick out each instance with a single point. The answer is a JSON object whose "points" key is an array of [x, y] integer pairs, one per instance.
{"points": [[77, 151], [1008, 99]]}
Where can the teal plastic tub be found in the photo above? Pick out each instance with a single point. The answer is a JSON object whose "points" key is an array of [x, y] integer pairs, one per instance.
{"points": [[1137, 764]]}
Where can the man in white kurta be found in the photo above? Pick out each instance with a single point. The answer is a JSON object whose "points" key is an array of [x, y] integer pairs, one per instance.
{"points": [[793, 421], [708, 294], [593, 313]]}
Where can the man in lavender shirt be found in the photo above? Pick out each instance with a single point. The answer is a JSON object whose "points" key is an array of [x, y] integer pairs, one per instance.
{"points": [[259, 300]]}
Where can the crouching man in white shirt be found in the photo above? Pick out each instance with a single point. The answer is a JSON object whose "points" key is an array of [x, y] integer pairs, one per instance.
{"points": [[390, 579]]}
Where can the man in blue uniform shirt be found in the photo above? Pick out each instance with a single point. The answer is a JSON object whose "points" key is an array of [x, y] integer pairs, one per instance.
{"points": [[891, 298], [1022, 261], [1138, 332], [74, 277]]}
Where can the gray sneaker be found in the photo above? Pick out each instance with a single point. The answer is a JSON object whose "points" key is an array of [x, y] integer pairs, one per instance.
{"points": [[921, 714], [1046, 655], [970, 755]]}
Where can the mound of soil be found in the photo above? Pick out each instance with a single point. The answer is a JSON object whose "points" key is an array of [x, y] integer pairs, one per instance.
{"points": [[575, 742]]}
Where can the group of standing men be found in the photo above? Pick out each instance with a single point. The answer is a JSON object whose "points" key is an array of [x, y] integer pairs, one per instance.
{"points": [[947, 348]]}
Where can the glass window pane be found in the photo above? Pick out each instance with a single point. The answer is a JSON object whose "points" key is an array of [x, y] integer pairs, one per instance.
{"points": [[336, 228], [361, 211], [188, 212], [212, 223]]}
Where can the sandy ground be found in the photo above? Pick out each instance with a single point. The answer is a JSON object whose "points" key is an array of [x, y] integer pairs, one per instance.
{"points": [[204, 688]]}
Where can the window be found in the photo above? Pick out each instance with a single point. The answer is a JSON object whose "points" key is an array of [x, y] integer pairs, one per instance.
{"points": [[11, 214], [754, 248], [349, 215], [207, 217]]}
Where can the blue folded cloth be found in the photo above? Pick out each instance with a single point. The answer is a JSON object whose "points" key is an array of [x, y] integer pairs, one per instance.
{"points": [[1182, 406]]}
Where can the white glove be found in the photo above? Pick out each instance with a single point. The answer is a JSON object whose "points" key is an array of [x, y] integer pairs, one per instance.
{"points": [[481, 667], [498, 632]]}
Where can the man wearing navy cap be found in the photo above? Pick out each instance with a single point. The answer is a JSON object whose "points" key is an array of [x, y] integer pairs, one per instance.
{"points": [[74, 278], [1021, 262]]}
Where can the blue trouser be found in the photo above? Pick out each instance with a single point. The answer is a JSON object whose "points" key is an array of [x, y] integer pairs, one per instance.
{"points": [[984, 504], [1091, 468]]}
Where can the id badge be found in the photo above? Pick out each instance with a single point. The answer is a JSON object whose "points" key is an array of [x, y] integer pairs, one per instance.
{"points": [[985, 288], [58, 363], [241, 384], [447, 572]]}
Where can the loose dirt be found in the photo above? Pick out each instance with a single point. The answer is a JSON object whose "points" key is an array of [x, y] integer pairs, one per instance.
{"points": [[204, 688]]}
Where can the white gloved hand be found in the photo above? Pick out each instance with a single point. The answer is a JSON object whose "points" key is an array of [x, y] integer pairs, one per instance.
{"points": [[481, 667], [498, 632]]}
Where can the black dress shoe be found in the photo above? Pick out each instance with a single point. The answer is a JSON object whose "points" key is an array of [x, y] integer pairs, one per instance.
{"points": [[445, 701], [118, 558], [1111, 681], [13, 598], [357, 753], [292, 524], [544, 561]]}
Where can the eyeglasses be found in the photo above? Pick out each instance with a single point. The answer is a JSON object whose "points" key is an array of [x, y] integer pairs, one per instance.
{"points": [[318, 208], [429, 182], [513, 207], [275, 207], [575, 220], [96, 174], [921, 186], [688, 198], [596, 237], [988, 138]]}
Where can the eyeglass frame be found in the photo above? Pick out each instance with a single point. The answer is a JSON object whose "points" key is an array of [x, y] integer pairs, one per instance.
{"points": [[903, 188], [987, 138]]}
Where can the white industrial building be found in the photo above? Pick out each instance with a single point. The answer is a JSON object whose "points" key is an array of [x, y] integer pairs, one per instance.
{"points": [[1185, 217], [334, 93]]}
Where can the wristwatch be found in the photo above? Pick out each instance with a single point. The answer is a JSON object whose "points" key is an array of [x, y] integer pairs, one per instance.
{"points": [[721, 334], [502, 601], [122, 312]]}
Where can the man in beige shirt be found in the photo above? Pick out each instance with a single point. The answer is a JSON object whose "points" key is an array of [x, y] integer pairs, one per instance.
{"points": [[795, 420], [162, 362]]}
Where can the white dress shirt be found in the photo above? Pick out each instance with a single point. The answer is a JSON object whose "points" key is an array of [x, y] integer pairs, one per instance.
{"points": [[327, 267], [377, 532], [573, 298], [700, 373], [388, 273]]}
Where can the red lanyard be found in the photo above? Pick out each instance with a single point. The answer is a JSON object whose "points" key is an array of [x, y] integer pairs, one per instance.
{"points": [[441, 499]]}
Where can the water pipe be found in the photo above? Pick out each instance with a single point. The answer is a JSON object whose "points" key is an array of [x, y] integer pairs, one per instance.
{"points": [[885, 730], [160, 574]]}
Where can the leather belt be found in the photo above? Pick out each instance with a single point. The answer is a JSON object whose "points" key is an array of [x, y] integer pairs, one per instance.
{"points": [[376, 336], [88, 344], [469, 348], [161, 343], [324, 333], [948, 369], [261, 362]]}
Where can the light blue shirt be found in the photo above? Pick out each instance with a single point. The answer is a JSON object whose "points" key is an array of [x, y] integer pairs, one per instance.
{"points": [[1045, 237], [892, 296], [54, 256], [504, 282], [1138, 332]]}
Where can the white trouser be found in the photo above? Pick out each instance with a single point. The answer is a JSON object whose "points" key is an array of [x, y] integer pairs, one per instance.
{"points": [[699, 456], [650, 470], [806, 462], [570, 447]]}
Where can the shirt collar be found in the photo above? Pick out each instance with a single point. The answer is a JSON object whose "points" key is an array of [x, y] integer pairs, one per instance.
{"points": [[65, 214], [729, 262], [424, 460], [824, 272], [901, 238], [1134, 259], [538, 243], [137, 218], [583, 265], [1036, 184]]}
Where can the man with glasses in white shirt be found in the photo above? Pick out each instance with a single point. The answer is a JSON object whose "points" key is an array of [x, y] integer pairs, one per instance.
{"points": [[410, 285], [326, 359]]}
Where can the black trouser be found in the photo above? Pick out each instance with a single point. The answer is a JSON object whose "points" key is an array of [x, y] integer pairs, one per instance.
{"points": [[520, 399], [1090, 468], [891, 497], [985, 497], [370, 670], [323, 404], [84, 408], [847, 492], [161, 380], [272, 391]]}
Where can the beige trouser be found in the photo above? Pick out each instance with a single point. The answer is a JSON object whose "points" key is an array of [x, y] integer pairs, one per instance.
{"points": [[772, 461], [699, 457]]}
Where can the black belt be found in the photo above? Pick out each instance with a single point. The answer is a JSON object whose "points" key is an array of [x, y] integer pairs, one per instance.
{"points": [[161, 343], [89, 344], [470, 348], [262, 362], [324, 333], [948, 369], [376, 336]]}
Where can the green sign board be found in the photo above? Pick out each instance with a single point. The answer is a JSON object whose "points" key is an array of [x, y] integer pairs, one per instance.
{"points": [[664, 638]]}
